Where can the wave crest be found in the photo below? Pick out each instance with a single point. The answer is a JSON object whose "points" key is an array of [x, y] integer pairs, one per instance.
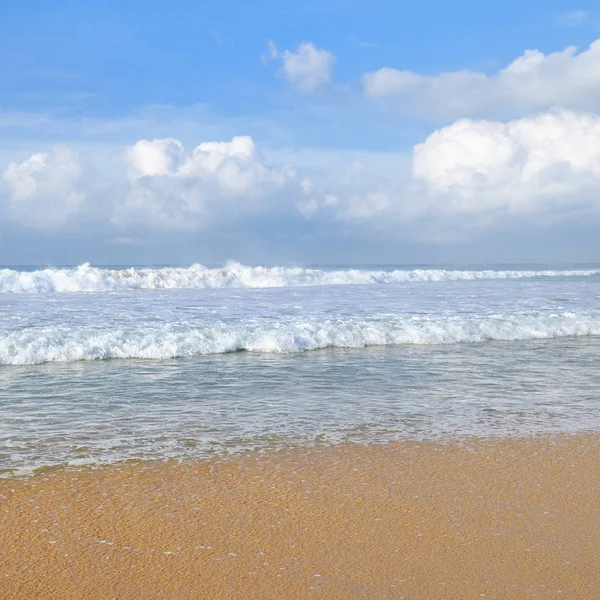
{"points": [[63, 344], [86, 278]]}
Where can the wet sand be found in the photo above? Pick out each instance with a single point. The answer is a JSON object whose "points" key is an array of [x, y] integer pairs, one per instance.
{"points": [[482, 519]]}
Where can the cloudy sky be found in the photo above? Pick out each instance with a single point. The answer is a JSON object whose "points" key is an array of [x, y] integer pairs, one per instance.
{"points": [[320, 131]]}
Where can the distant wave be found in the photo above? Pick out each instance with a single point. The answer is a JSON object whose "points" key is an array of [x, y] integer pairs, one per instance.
{"points": [[64, 344], [86, 278]]}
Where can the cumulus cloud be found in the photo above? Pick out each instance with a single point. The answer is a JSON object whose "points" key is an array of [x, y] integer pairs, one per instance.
{"points": [[533, 81], [533, 163], [475, 176], [472, 175], [171, 188], [46, 190], [307, 68], [156, 157]]}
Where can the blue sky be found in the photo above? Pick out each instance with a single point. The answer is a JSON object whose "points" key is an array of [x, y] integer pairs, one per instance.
{"points": [[315, 131]]}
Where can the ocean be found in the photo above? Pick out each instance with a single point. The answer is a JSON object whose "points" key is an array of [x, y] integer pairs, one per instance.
{"points": [[101, 365]]}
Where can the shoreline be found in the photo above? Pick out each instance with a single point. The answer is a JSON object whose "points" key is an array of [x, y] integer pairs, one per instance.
{"points": [[296, 448], [493, 517]]}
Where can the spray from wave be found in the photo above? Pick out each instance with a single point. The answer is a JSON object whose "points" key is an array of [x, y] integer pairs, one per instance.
{"points": [[86, 278], [60, 343]]}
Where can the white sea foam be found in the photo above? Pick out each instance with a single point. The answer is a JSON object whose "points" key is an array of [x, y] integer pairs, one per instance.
{"points": [[86, 278], [64, 344]]}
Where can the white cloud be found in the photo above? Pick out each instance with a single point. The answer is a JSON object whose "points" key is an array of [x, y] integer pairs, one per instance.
{"points": [[473, 175], [531, 164], [45, 191], [272, 51], [533, 81], [476, 176], [171, 188], [307, 68], [157, 157]]}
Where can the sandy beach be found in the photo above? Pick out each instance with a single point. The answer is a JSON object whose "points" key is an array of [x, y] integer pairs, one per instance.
{"points": [[506, 518]]}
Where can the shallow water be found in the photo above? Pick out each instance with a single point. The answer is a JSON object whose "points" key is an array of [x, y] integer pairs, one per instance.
{"points": [[415, 359]]}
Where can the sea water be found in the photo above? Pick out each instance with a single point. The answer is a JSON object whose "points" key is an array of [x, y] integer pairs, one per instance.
{"points": [[102, 365]]}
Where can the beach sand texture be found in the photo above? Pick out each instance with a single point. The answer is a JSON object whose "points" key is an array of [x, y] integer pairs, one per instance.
{"points": [[506, 518]]}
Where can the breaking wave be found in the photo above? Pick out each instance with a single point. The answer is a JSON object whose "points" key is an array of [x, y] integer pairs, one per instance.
{"points": [[86, 278], [36, 345]]}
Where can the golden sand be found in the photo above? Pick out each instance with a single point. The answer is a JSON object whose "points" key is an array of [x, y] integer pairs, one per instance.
{"points": [[485, 519]]}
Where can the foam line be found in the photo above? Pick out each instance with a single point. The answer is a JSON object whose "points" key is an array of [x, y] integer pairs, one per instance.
{"points": [[66, 344], [86, 278]]}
